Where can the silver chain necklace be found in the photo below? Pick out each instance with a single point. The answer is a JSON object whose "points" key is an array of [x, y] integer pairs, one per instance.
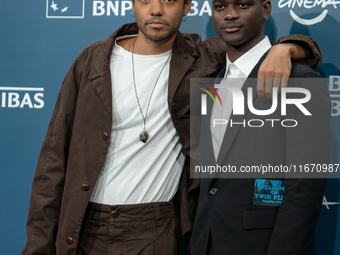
{"points": [[144, 136]]}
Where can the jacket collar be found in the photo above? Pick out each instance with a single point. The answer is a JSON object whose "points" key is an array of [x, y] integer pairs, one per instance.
{"points": [[183, 55], [101, 64], [181, 48]]}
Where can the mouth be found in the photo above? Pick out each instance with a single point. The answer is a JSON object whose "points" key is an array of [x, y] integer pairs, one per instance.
{"points": [[232, 28], [156, 24]]}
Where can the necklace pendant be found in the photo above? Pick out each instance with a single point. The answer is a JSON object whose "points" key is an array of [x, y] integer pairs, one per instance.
{"points": [[144, 136]]}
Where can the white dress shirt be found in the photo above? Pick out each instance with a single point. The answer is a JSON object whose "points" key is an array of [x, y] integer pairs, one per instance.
{"points": [[236, 73]]}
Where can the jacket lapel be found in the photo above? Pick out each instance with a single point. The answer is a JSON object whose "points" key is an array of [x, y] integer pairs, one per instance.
{"points": [[206, 148], [183, 56], [231, 132], [100, 73]]}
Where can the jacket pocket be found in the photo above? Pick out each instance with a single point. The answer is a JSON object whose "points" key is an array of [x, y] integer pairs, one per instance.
{"points": [[259, 219]]}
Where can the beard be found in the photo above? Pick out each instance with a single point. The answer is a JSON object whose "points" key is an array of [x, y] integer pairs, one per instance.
{"points": [[158, 34]]}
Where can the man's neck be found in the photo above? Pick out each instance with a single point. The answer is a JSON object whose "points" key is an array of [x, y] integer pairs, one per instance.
{"points": [[143, 46]]}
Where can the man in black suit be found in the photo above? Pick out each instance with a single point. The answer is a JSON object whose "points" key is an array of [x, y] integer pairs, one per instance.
{"points": [[251, 214]]}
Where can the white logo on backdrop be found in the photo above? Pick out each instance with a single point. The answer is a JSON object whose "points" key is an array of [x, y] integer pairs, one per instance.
{"points": [[308, 4], [334, 89], [65, 9], [327, 204], [20, 97], [75, 9]]}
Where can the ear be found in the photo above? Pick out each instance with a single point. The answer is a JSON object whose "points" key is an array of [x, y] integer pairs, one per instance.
{"points": [[267, 8], [187, 7]]}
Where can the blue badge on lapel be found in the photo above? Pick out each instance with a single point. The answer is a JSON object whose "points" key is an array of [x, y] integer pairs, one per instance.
{"points": [[268, 192]]}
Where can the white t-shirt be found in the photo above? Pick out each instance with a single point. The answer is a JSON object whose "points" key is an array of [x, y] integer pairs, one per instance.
{"points": [[135, 172]]}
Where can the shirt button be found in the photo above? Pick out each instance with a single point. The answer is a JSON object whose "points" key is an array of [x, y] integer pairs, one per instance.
{"points": [[105, 136], [114, 214], [85, 187], [69, 240], [213, 191]]}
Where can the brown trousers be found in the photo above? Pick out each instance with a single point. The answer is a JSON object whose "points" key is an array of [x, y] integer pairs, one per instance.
{"points": [[144, 229]]}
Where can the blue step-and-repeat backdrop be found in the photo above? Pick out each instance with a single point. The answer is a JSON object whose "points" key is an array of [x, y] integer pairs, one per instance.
{"points": [[39, 40]]}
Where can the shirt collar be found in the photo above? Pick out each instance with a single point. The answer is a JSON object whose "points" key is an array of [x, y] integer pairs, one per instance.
{"points": [[248, 60]]}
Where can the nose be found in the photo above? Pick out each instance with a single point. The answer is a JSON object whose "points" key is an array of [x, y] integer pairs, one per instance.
{"points": [[231, 13], [156, 8]]}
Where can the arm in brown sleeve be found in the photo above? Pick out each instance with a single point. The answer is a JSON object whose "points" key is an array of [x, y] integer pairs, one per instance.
{"points": [[309, 44]]}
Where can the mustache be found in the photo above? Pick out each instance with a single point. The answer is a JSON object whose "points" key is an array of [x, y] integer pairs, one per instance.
{"points": [[156, 20]]}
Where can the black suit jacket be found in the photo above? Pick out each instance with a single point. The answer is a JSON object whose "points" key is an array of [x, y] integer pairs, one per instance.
{"points": [[227, 212]]}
